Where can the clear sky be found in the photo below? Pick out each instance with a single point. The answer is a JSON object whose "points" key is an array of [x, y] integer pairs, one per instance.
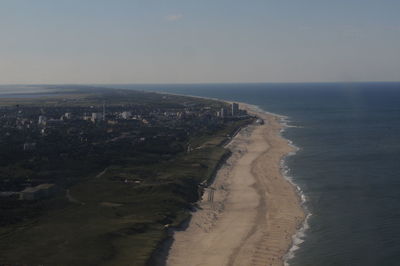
{"points": [[192, 41]]}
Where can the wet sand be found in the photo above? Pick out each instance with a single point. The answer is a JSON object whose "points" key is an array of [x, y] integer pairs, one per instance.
{"points": [[250, 213]]}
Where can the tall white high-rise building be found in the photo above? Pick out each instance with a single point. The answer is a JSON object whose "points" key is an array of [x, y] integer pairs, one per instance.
{"points": [[235, 109], [222, 113]]}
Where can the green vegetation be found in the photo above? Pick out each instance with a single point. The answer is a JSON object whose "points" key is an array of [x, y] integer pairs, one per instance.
{"points": [[116, 212]]}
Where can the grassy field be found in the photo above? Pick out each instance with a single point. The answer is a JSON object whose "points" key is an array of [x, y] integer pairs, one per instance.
{"points": [[118, 217]]}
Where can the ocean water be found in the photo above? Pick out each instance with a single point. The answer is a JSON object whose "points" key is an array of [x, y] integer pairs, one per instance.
{"points": [[347, 165]]}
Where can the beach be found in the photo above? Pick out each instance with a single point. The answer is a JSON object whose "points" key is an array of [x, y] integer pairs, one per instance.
{"points": [[250, 213]]}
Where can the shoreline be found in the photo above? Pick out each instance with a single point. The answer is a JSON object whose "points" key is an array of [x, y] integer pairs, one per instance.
{"points": [[303, 226], [299, 235], [251, 213]]}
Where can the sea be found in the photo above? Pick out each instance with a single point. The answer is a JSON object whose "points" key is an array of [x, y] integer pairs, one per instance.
{"points": [[347, 166]]}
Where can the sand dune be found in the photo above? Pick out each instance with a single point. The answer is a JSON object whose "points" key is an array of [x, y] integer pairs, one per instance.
{"points": [[250, 212]]}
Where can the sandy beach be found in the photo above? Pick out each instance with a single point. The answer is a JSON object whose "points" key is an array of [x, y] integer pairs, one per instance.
{"points": [[250, 213]]}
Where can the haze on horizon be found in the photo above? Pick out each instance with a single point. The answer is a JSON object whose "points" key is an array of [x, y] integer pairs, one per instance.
{"points": [[188, 41]]}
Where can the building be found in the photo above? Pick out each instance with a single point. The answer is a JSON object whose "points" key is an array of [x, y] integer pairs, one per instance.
{"points": [[87, 117], [235, 109], [67, 116], [97, 117], [42, 120], [126, 115], [38, 192], [222, 113]]}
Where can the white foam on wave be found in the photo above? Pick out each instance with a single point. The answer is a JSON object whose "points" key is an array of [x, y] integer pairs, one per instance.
{"points": [[299, 236], [297, 240]]}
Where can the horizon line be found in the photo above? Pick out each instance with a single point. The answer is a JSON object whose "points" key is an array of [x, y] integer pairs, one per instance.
{"points": [[194, 83]]}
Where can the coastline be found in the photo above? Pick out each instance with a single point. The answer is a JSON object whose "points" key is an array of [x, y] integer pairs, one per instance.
{"points": [[299, 235], [251, 213]]}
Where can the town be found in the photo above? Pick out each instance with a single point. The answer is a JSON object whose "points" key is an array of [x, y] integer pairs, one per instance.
{"points": [[131, 162], [47, 135]]}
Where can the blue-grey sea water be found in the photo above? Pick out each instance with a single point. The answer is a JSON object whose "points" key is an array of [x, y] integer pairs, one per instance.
{"points": [[348, 165]]}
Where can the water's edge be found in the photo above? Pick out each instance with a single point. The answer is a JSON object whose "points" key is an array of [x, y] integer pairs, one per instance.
{"points": [[299, 236]]}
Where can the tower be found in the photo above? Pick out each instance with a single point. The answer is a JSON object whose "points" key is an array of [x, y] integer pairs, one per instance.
{"points": [[235, 109], [104, 110]]}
